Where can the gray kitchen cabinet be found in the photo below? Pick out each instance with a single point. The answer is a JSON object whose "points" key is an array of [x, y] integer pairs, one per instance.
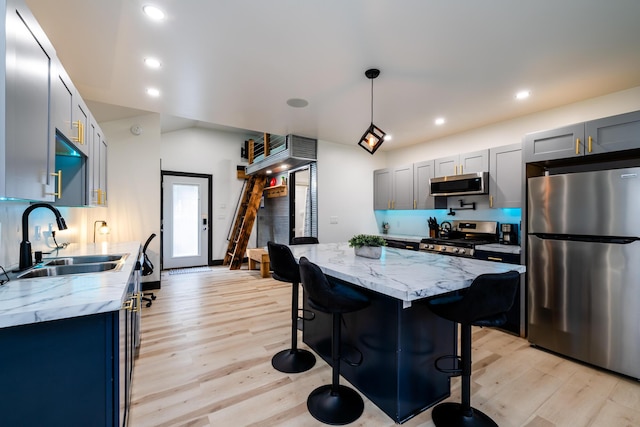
{"points": [[609, 134], [560, 143], [422, 173], [26, 144], [382, 189], [61, 101], [615, 133], [98, 179], [80, 124], [402, 195], [505, 176], [476, 161], [393, 188]]}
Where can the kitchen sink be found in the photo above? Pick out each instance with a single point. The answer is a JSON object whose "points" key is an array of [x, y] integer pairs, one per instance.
{"points": [[63, 270], [83, 259]]}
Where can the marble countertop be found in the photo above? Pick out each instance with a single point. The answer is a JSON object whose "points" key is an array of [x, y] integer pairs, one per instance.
{"points": [[400, 273], [497, 247], [26, 301]]}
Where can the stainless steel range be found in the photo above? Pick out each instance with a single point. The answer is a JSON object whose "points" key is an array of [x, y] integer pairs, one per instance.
{"points": [[463, 238]]}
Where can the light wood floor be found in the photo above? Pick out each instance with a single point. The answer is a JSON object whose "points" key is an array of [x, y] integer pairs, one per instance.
{"points": [[208, 340]]}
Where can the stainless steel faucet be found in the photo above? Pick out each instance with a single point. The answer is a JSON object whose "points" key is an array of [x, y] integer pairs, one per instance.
{"points": [[26, 260]]}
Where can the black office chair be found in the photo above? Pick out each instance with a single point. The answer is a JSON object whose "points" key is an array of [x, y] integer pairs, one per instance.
{"points": [[484, 303], [285, 268], [306, 240], [333, 403], [147, 269]]}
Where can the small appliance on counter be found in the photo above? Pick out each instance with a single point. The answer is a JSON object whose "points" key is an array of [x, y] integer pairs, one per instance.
{"points": [[509, 234]]}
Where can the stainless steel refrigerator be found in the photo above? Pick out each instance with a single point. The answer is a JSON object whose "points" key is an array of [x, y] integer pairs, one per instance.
{"points": [[583, 266]]}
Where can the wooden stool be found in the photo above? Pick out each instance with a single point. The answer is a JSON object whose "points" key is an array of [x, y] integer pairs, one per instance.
{"points": [[259, 256]]}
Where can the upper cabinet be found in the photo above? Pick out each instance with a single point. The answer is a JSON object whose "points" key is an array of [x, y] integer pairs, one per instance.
{"points": [[505, 176], [393, 188], [45, 152], [477, 161], [26, 143], [98, 178], [422, 173], [615, 133]]}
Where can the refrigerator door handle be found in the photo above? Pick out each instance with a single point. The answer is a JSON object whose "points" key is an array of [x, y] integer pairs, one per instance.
{"points": [[621, 240]]}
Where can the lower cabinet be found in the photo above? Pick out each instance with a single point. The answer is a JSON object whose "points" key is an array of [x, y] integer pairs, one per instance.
{"points": [[69, 372]]}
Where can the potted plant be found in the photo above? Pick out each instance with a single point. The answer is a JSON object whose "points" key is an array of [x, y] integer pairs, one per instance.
{"points": [[368, 246]]}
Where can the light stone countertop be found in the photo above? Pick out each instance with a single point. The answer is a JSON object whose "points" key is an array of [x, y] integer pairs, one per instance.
{"points": [[400, 273], [26, 301]]}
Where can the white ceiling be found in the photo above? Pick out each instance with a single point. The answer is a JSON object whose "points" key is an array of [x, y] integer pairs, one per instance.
{"points": [[236, 62]]}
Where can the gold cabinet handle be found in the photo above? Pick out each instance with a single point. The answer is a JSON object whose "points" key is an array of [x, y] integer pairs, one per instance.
{"points": [[490, 201], [590, 143], [415, 204], [128, 304], [99, 196], [388, 204], [492, 258], [577, 145], [138, 301], [456, 170], [461, 173], [58, 175], [393, 204], [80, 127]]}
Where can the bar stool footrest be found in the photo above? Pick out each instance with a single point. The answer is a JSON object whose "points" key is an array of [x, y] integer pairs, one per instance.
{"points": [[454, 372]]}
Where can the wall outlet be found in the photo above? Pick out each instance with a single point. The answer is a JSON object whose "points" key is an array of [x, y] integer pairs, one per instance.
{"points": [[333, 220]]}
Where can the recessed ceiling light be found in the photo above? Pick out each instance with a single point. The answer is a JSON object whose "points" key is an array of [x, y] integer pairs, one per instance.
{"points": [[523, 94], [388, 137], [297, 102], [152, 62], [153, 12], [269, 172], [153, 92], [440, 121]]}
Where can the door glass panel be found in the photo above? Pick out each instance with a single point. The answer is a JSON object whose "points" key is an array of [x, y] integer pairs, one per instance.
{"points": [[186, 220]]}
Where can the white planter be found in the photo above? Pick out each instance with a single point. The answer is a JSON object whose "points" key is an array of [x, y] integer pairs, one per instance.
{"points": [[369, 251]]}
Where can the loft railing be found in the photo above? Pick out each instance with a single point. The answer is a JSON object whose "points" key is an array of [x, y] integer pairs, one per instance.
{"points": [[261, 148]]}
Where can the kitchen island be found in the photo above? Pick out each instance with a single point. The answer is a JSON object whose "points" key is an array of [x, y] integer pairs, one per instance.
{"points": [[398, 336], [69, 344]]}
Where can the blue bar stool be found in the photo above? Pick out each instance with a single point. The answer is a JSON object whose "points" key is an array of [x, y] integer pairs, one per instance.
{"points": [[484, 303], [285, 269], [333, 403]]}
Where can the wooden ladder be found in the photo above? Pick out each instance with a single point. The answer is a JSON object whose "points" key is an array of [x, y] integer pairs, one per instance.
{"points": [[245, 218]]}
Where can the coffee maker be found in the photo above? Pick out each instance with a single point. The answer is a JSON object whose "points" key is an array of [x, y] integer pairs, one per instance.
{"points": [[509, 234]]}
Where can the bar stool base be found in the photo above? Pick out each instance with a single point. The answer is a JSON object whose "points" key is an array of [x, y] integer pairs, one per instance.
{"points": [[335, 408], [293, 361], [449, 414]]}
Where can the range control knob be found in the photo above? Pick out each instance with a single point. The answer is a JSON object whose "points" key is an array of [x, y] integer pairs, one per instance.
{"points": [[461, 251], [455, 250], [443, 249]]}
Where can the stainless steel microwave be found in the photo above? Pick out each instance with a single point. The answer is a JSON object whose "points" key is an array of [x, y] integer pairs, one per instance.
{"points": [[458, 185]]}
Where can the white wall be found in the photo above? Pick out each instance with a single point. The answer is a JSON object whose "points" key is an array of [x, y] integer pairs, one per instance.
{"points": [[133, 180], [512, 131], [345, 190]]}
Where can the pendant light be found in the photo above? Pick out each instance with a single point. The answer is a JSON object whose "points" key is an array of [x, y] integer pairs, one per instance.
{"points": [[373, 137]]}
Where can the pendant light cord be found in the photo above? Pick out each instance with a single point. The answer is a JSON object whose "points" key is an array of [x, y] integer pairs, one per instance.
{"points": [[371, 100]]}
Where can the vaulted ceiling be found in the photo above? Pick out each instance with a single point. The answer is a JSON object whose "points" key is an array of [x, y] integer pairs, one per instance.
{"points": [[236, 63]]}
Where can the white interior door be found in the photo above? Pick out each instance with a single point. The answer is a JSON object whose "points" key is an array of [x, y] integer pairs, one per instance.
{"points": [[185, 238]]}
